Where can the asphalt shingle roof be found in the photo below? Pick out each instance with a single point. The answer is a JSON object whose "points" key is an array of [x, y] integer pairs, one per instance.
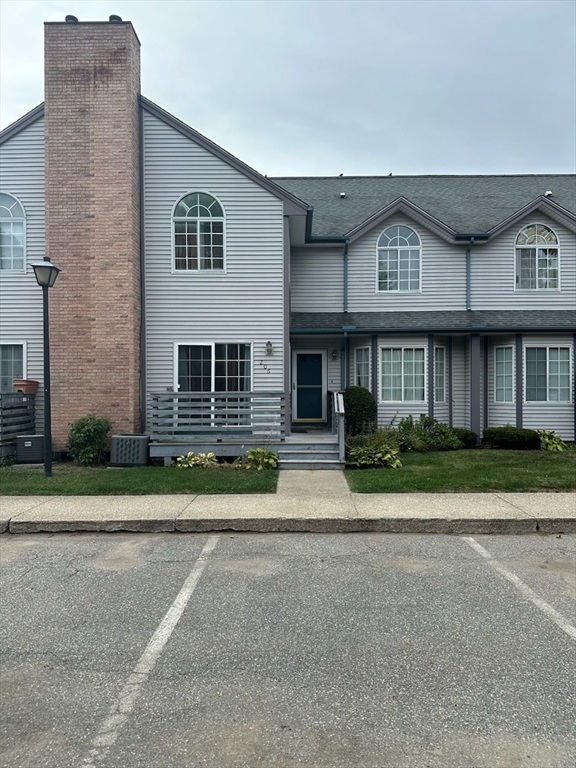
{"points": [[467, 204], [437, 322]]}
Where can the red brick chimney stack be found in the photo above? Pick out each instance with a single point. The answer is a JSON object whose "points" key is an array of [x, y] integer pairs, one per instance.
{"points": [[92, 82]]}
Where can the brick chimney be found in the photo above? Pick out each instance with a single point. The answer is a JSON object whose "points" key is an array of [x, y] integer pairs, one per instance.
{"points": [[92, 82]]}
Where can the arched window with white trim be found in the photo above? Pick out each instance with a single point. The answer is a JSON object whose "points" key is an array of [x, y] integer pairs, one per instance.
{"points": [[12, 234], [198, 231], [537, 259], [399, 251]]}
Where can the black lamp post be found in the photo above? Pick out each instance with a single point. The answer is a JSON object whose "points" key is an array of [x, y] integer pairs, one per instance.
{"points": [[46, 274]]}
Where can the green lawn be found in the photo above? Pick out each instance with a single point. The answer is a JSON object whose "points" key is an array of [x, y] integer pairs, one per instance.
{"points": [[471, 471], [72, 480]]}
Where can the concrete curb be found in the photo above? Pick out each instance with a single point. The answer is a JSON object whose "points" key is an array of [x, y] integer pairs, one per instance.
{"points": [[458, 526]]}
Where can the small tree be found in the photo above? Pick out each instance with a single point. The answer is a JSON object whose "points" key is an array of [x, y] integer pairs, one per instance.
{"points": [[88, 439], [361, 411]]}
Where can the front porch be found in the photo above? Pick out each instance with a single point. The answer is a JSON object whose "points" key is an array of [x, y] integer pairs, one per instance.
{"points": [[230, 423]]}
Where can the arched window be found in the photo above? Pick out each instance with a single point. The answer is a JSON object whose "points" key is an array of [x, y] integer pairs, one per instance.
{"points": [[537, 259], [198, 227], [399, 260], [12, 233]]}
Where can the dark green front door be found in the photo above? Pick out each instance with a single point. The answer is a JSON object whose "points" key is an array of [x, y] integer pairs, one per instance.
{"points": [[309, 380]]}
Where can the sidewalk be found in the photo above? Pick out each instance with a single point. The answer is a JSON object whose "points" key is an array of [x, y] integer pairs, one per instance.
{"points": [[305, 501]]}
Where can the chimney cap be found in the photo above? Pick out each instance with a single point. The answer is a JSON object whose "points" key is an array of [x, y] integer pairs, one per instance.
{"points": [[71, 19], [115, 19]]}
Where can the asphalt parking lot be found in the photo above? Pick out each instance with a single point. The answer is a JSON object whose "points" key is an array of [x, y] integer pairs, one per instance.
{"points": [[327, 651]]}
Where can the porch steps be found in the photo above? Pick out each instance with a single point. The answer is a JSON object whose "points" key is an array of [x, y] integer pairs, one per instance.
{"points": [[321, 455]]}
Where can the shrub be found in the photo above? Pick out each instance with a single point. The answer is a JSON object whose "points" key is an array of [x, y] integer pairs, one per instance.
{"points": [[257, 458], [201, 460], [513, 438], [468, 438], [371, 456], [550, 441], [361, 410], [427, 434], [380, 438], [88, 439]]}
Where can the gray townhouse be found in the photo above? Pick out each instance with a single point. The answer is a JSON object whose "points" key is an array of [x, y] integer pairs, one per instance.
{"points": [[209, 306]]}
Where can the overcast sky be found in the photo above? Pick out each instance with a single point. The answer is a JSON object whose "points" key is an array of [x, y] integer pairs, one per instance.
{"points": [[318, 87]]}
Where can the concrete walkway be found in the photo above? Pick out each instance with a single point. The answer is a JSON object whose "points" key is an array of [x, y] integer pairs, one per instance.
{"points": [[314, 500]]}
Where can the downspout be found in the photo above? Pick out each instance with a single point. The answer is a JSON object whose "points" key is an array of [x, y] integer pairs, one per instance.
{"points": [[346, 242], [468, 273]]}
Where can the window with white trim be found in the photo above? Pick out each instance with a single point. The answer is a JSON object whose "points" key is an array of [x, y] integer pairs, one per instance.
{"points": [[548, 374], [439, 374], [362, 367], [198, 231], [537, 259], [399, 259], [12, 234], [11, 365], [503, 374], [214, 367], [403, 374]]}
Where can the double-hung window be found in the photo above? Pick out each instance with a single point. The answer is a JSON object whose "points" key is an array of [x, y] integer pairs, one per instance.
{"points": [[198, 231], [11, 365], [548, 374], [503, 374], [12, 234], [362, 367], [403, 374], [537, 259], [398, 260]]}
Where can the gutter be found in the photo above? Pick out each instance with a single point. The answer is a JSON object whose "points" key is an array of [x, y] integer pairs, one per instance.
{"points": [[432, 329]]}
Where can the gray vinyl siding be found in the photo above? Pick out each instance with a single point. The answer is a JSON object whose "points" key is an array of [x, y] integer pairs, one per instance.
{"points": [[243, 305], [393, 412], [493, 271], [460, 382], [22, 175], [443, 274], [317, 279], [542, 415], [500, 414]]}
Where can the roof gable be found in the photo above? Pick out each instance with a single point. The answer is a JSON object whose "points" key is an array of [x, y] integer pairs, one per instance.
{"points": [[30, 117]]}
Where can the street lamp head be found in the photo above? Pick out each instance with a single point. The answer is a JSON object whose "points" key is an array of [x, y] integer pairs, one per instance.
{"points": [[45, 273]]}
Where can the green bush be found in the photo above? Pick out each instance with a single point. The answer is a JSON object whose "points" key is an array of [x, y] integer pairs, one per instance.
{"points": [[427, 434], [201, 460], [380, 438], [361, 411], [513, 438], [371, 456], [257, 458], [550, 441], [468, 438], [88, 439]]}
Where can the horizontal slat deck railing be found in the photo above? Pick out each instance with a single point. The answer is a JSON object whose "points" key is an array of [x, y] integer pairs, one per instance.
{"points": [[17, 416], [217, 416]]}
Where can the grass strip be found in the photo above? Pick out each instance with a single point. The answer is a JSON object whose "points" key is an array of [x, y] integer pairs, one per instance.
{"points": [[72, 480], [471, 471]]}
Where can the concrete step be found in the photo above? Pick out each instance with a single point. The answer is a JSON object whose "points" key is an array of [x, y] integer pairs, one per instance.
{"points": [[297, 454], [310, 464]]}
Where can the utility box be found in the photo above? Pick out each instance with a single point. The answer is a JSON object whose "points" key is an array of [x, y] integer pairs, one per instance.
{"points": [[30, 449], [129, 450]]}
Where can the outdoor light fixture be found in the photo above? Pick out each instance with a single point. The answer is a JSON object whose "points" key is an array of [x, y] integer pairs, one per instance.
{"points": [[334, 354], [269, 348], [46, 274]]}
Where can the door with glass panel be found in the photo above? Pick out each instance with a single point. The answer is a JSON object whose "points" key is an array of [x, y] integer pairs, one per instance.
{"points": [[309, 385], [222, 372]]}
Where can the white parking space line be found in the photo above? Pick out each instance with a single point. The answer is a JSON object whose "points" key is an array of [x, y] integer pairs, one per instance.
{"points": [[545, 607], [123, 706]]}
